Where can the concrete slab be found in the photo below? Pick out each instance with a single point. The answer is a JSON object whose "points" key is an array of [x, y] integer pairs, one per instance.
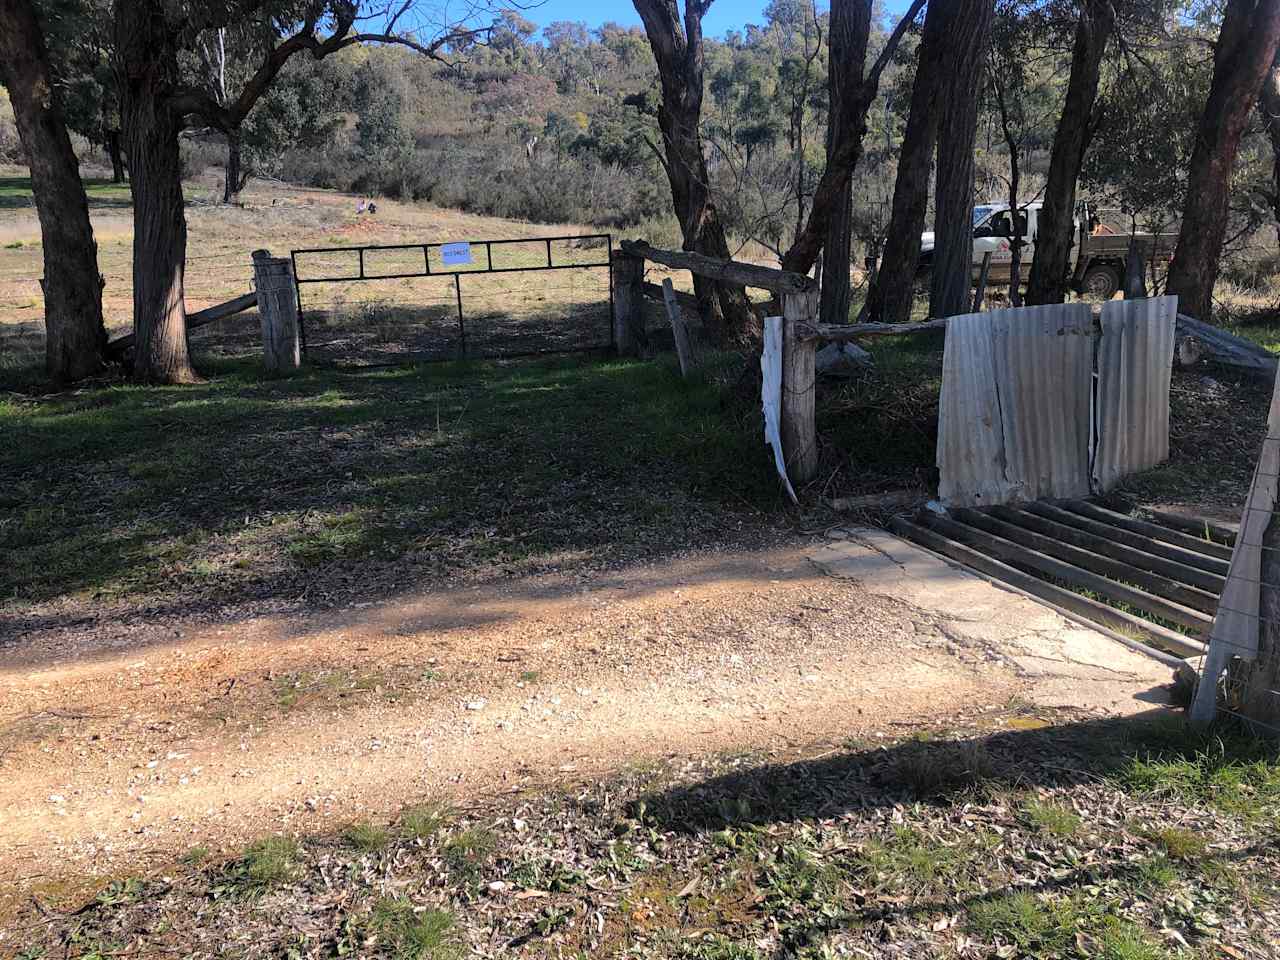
{"points": [[1070, 664]]}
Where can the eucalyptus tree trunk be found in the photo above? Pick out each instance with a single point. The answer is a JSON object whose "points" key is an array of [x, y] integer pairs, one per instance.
{"points": [[1015, 181], [1270, 102], [891, 295], [148, 77], [953, 229], [678, 51], [114, 152], [1055, 223], [1245, 53], [233, 184], [75, 338], [847, 41]]}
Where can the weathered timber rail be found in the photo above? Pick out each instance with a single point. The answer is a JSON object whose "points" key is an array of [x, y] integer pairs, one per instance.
{"points": [[195, 320], [798, 295], [277, 312]]}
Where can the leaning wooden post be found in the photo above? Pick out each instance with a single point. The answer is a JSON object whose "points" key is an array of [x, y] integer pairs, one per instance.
{"points": [[980, 291], [278, 308], [1135, 281], [628, 303], [684, 352], [799, 375]]}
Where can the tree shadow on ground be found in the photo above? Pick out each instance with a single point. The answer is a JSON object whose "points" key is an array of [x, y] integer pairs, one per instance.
{"points": [[15, 194], [1150, 767], [928, 769], [334, 485]]}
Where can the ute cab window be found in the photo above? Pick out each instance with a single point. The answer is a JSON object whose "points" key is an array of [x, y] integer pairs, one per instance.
{"points": [[1002, 225]]}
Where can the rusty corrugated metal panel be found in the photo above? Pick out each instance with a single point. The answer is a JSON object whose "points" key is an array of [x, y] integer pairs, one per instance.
{"points": [[970, 433], [1014, 417], [1135, 361], [1044, 366]]}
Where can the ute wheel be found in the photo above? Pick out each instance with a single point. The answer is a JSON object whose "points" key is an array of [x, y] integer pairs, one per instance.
{"points": [[1100, 283]]}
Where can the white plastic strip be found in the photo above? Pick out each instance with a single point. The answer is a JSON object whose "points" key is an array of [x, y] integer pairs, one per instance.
{"points": [[771, 396]]}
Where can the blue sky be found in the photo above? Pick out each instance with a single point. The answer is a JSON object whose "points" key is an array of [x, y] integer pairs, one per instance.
{"points": [[724, 14]]}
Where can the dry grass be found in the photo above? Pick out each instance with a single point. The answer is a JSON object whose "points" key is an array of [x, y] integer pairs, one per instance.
{"points": [[280, 218]]}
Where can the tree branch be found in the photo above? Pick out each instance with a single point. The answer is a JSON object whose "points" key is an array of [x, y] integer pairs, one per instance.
{"points": [[872, 79]]}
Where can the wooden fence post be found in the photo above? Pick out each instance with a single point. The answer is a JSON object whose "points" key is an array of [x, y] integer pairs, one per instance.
{"points": [[628, 303], [1135, 282], [799, 434], [684, 352], [980, 291], [278, 308]]}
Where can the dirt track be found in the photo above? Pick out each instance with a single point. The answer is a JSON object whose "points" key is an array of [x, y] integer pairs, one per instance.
{"points": [[238, 730]]}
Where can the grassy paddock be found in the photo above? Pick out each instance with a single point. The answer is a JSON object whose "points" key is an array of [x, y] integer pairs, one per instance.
{"points": [[337, 481], [1027, 834]]}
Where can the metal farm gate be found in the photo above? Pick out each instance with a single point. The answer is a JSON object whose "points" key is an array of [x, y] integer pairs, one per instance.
{"points": [[395, 302]]}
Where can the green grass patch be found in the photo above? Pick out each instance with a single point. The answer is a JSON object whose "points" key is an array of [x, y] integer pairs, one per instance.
{"points": [[910, 860], [1051, 818], [1233, 773], [1180, 844], [366, 837], [407, 932], [1046, 928], [247, 485], [265, 864], [1154, 875], [1037, 928], [15, 192], [466, 852], [423, 821]]}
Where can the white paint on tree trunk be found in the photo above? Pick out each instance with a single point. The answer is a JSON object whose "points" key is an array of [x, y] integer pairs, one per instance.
{"points": [[771, 397]]}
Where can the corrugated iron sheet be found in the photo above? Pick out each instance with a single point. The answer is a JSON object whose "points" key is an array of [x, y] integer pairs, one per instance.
{"points": [[1135, 361], [1015, 408], [971, 462], [1044, 365]]}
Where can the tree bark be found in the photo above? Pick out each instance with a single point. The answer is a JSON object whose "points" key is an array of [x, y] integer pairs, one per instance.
{"points": [[849, 26], [847, 124], [845, 147], [891, 295], [233, 183], [1245, 53], [1055, 230], [1014, 146], [75, 338], [1270, 103], [112, 144], [953, 228], [149, 76], [678, 51]]}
